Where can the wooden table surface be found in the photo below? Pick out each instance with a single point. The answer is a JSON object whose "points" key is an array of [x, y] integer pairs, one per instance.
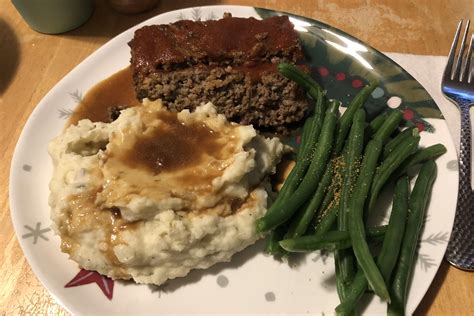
{"points": [[32, 63]]}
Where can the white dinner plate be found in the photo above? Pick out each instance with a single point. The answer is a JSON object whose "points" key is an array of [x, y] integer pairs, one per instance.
{"points": [[252, 283]]}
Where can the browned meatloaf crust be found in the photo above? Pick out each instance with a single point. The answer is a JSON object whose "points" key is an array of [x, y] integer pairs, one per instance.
{"points": [[230, 62]]}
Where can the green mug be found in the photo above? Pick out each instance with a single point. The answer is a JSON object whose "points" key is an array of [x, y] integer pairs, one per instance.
{"points": [[54, 16]]}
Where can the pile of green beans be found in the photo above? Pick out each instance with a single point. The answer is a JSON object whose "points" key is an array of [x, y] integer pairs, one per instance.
{"points": [[343, 165]]}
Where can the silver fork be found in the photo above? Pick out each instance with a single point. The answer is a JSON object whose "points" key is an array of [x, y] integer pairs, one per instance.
{"points": [[458, 86]]}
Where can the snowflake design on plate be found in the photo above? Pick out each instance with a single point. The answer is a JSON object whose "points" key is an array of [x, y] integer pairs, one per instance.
{"points": [[36, 233], [26, 167]]}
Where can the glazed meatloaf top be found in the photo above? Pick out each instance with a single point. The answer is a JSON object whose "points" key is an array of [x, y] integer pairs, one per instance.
{"points": [[226, 41]]}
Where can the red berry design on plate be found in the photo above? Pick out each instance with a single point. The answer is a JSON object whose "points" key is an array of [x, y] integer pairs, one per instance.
{"points": [[340, 76], [356, 83], [420, 126], [408, 114], [323, 71]]}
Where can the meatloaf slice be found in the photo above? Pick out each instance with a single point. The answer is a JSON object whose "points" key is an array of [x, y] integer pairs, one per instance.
{"points": [[269, 101], [230, 62]]}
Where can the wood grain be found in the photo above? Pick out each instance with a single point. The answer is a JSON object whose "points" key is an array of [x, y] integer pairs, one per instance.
{"points": [[32, 63]]}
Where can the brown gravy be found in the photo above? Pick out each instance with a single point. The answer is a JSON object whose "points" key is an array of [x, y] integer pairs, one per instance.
{"points": [[86, 215], [114, 92], [173, 146]]}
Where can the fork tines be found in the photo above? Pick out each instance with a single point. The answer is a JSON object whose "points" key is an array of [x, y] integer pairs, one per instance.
{"points": [[461, 68]]}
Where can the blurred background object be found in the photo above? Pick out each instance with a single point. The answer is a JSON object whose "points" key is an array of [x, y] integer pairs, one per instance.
{"points": [[54, 16], [132, 6]]}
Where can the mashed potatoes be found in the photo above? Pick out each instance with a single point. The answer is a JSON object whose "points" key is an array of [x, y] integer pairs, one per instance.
{"points": [[155, 194]]}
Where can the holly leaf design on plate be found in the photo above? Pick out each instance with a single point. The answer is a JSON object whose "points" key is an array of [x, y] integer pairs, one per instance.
{"points": [[308, 40], [409, 90], [388, 70], [428, 111], [334, 55]]}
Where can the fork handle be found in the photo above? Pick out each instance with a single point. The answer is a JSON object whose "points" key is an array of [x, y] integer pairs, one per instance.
{"points": [[465, 152], [460, 251]]}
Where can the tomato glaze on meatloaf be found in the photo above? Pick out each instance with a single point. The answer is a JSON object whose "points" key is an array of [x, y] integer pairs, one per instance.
{"points": [[231, 62]]}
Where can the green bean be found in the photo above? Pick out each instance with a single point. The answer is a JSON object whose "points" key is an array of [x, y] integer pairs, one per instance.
{"points": [[332, 240], [290, 184], [272, 246], [312, 129], [374, 126], [345, 121], [305, 137], [377, 122], [328, 199], [417, 207], [327, 215], [356, 223], [396, 227], [304, 156], [376, 231], [301, 78], [352, 159], [327, 219], [273, 242], [327, 212], [353, 295], [344, 259], [393, 143], [300, 223], [389, 126], [320, 105], [282, 212], [420, 156], [406, 148], [390, 248], [341, 284]]}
